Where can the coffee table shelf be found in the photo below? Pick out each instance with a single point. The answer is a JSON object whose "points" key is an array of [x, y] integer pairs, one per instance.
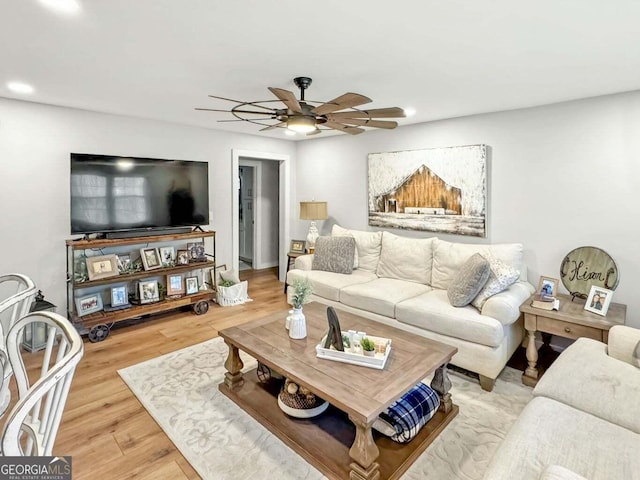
{"points": [[324, 441]]}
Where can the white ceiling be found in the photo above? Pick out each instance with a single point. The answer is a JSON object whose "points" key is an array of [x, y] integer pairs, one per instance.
{"points": [[161, 58]]}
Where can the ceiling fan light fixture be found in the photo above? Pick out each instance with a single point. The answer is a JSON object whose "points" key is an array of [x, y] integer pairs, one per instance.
{"points": [[301, 123]]}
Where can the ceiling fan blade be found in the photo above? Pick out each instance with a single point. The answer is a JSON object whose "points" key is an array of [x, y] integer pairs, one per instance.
{"points": [[235, 111], [270, 127], [343, 128], [347, 100], [366, 123], [253, 104], [392, 112], [288, 98], [314, 132], [246, 120]]}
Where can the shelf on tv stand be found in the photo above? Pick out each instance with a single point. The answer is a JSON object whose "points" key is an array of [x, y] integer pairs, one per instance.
{"points": [[117, 242]]}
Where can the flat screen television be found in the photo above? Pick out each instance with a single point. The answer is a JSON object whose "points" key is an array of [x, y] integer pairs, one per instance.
{"points": [[112, 194]]}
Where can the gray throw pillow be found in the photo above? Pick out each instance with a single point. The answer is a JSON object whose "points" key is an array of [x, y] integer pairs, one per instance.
{"points": [[469, 280], [334, 254]]}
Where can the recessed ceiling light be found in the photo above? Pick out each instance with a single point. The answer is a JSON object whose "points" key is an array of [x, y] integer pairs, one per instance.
{"points": [[409, 111], [62, 6], [291, 133], [19, 87]]}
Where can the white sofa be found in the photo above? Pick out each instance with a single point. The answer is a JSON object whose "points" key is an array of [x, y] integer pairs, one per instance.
{"points": [[403, 282], [584, 419]]}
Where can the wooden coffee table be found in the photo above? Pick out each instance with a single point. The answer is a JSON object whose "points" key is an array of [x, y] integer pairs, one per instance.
{"points": [[340, 442]]}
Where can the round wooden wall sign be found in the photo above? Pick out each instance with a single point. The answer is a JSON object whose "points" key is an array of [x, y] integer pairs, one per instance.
{"points": [[587, 266]]}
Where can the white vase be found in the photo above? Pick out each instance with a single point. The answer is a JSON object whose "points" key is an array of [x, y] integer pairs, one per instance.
{"points": [[287, 321], [297, 324]]}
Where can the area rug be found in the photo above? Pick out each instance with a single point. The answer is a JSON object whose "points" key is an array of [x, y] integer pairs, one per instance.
{"points": [[221, 441]]}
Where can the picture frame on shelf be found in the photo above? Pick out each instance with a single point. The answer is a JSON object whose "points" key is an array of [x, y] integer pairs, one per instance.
{"points": [[175, 284], [547, 287], [89, 304], [598, 300], [150, 258], [119, 296], [149, 292], [182, 257], [167, 256], [216, 278], [191, 284], [196, 252], [102, 266], [124, 263], [297, 246]]}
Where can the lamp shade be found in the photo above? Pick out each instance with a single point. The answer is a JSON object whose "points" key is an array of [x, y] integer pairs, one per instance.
{"points": [[313, 211]]}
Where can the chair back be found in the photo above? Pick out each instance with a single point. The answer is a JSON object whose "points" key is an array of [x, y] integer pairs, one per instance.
{"points": [[32, 425]]}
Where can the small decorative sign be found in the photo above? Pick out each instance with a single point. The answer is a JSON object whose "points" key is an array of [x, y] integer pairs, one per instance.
{"points": [[584, 267]]}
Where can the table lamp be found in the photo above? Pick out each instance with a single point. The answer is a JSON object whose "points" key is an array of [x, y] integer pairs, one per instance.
{"points": [[313, 211]]}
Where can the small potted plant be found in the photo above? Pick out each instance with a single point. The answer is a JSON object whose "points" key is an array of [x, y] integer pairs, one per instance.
{"points": [[368, 347], [297, 323]]}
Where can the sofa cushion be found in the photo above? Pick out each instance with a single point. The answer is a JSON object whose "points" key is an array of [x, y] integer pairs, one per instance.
{"points": [[469, 280], [334, 254], [338, 231], [328, 285], [368, 246], [381, 295], [552, 433], [586, 378], [501, 277], [432, 311], [624, 344], [405, 258], [449, 257]]}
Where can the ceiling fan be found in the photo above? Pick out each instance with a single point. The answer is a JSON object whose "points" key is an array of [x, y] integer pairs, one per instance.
{"points": [[311, 117]]}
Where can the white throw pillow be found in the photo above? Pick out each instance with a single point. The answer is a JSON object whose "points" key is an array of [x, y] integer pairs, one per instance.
{"points": [[405, 258], [500, 278], [368, 247], [230, 275], [338, 231]]}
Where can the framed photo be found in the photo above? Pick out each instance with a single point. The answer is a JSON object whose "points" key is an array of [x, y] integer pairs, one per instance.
{"points": [[89, 304], [182, 257], [175, 285], [297, 246], [167, 256], [215, 275], [192, 285], [102, 266], [150, 258], [149, 291], [124, 263], [598, 300], [548, 287], [119, 296], [196, 252]]}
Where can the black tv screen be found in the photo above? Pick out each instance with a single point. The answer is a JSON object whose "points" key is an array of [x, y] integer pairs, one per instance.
{"points": [[110, 193]]}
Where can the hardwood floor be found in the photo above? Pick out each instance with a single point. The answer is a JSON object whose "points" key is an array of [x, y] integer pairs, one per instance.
{"points": [[104, 427]]}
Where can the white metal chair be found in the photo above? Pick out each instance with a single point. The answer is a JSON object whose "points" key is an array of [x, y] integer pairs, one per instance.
{"points": [[32, 425], [19, 291]]}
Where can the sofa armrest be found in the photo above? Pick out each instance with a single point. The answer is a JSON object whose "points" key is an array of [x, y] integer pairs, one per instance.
{"points": [[624, 344], [505, 306], [304, 262]]}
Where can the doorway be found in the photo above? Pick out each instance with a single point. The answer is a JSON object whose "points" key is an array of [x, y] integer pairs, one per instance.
{"points": [[246, 219]]}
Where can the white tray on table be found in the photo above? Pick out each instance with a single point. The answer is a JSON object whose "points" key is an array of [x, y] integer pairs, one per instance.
{"points": [[378, 361]]}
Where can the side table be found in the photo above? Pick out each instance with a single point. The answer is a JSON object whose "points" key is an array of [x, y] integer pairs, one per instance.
{"points": [[291, 258], [570, 321]]}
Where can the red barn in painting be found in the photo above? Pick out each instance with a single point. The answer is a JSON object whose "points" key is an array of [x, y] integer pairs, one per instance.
{"points": [[423, 189]]}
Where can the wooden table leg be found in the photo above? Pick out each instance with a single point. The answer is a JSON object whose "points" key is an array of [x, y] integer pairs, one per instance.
{"points": [[441, 384], [233, 364], [364, 452], [530, 375]]}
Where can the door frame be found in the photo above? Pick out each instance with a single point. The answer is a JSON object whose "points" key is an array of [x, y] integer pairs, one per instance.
{"points": [[284, 207], [256, 234]]}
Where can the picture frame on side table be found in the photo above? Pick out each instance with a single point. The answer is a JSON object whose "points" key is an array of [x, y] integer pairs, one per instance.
{"points": [[119, 296], [148, 290], [89, 304], [191, 285], [175, 285], [297, 246], [598, 300], [547, 287], [182, 257], [150, 258], [167, 256], [102, 266]]}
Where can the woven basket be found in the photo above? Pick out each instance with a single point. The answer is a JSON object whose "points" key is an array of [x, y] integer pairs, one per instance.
{"points": [[233, 295]]}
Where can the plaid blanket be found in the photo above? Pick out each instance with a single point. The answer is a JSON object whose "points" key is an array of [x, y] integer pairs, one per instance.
{"points": [[411, 412]]}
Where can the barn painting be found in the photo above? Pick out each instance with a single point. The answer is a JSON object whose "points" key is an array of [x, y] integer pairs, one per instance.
{"points": [[441, 190]]}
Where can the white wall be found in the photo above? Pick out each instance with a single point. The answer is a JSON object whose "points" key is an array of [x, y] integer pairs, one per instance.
{"points": [[35, 142], [560, 176]]}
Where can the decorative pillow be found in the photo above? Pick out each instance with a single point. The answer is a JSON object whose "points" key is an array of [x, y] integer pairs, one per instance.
{"points": [[409, 414], [405, 258], [500, 278], [334, 254], [231, 275], [338, 231], [467, 283], [368, 245]]}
